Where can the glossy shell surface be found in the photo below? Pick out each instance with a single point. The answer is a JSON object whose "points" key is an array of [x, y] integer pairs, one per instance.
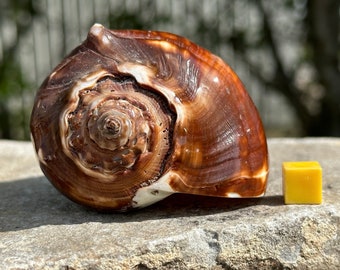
{"points": [[130, 117]]}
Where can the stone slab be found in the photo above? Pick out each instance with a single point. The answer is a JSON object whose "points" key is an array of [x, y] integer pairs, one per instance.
{"points": [[40, 229]]}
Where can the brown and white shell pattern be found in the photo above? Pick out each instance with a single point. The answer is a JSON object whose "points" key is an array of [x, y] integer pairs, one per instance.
{"points": [[130, 117]]}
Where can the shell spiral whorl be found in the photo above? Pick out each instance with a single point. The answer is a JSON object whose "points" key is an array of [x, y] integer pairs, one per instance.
{"points": [[110, 123], [130, 117]]}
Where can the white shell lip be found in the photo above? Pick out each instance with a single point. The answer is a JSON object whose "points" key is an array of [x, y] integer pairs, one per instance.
{"points": [[161, 189], [233, 195], [157, 191]]}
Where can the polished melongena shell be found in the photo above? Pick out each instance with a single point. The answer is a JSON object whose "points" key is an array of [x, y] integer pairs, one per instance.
{"points": [[130, 117]]}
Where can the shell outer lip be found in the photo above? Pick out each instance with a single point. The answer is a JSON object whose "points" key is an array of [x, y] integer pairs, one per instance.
{"points": [[162, 188]]}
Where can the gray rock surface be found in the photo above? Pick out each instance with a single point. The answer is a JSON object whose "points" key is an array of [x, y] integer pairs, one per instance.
{"points": [[40, 229]]}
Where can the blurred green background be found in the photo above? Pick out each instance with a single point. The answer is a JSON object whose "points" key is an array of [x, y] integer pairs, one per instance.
{"points": [[285, 51]]}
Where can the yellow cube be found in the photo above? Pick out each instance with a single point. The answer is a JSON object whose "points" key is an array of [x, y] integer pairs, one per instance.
{"points": [[302, 182]]}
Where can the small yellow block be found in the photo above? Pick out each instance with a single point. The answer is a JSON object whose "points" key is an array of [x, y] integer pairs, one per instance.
{"points": [[302, 182]]}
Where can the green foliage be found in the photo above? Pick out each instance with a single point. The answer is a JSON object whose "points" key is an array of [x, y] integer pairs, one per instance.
{"points": [[256, 45], [16, 15]]}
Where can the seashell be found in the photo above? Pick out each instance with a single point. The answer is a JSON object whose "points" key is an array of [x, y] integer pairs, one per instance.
{"points": [[131, 117]]}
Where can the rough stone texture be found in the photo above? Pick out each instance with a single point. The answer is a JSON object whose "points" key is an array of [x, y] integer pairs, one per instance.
{"points": [[40, 229]]}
